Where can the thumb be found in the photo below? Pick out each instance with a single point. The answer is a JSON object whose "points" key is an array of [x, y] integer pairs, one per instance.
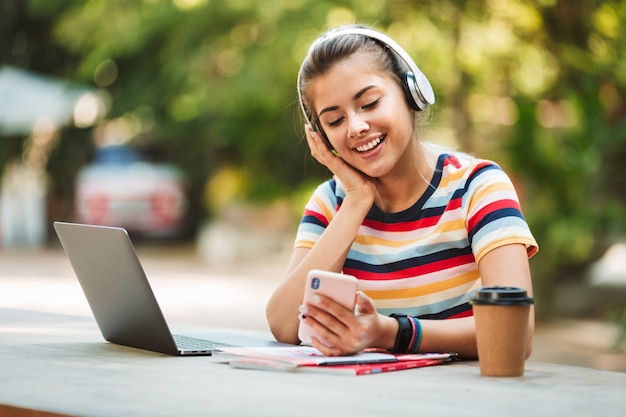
{"points": [[364, 304]]}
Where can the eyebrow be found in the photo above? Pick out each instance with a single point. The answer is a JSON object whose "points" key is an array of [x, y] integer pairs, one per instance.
{"points": [[356, 97]]}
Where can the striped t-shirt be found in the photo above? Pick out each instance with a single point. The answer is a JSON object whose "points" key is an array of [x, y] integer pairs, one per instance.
{"points": [[423, 261]]}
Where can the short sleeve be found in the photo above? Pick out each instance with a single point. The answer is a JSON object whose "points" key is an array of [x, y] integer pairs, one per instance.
{"points": [[494, 216], [318, 212]]}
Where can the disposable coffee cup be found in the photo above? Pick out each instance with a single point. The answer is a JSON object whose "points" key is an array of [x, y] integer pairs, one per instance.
{"points": [[501, 315]]}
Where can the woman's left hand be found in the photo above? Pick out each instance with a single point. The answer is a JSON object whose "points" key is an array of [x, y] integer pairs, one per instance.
{"points": [[341, 331]]}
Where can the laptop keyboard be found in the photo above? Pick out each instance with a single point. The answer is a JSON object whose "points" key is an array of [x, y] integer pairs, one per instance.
{"points": [[191, 343]]}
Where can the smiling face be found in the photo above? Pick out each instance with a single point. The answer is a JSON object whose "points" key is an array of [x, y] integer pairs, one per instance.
{"points": [[364, 113]]}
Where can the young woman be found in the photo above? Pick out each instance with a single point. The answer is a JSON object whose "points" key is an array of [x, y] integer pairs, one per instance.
{"points": [[421, 228]]}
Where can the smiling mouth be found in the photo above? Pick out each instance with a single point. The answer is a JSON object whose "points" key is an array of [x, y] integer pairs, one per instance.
{"points": [[370, 145]]}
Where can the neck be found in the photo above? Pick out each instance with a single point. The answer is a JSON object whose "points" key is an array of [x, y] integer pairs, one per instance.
{"points": [[400, 189]]}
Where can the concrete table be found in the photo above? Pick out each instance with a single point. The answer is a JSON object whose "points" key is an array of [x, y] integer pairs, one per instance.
{"points": [[54, 364]]}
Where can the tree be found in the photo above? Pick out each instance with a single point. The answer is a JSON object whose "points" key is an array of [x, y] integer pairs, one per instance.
{"points": [[536, 85]]}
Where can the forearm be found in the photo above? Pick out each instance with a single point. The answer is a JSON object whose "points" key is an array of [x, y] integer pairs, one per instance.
{"points": [[459, 335], [329, 253], [508, 266], [452, 335]]}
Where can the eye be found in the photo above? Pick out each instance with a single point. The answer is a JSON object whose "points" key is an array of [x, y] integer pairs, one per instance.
{"points": [[335, 122], [372, 104]]}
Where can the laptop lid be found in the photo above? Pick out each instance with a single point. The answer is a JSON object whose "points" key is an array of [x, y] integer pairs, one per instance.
{"points": [[121, 299], [116, 287]]}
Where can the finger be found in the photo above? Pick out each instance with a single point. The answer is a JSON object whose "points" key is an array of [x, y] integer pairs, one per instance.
{"points": [[333, 310], [324, 340], [335, 335], [330, 331], [317, 146], [311, 134], [327, 350], [364, 303], [329, 324]]}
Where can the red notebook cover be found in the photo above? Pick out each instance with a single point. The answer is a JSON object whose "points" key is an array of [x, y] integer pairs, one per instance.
{"points": [[341, 369], [373, 368]]}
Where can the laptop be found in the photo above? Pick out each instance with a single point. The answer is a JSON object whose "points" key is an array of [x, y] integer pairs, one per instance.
{"points": [[121, 299]]}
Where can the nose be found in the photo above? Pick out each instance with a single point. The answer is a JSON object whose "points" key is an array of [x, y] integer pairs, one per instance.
{"points": [[357, 125]]}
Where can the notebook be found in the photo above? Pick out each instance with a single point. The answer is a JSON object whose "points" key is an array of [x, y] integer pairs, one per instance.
{"points": [[121, 299]]}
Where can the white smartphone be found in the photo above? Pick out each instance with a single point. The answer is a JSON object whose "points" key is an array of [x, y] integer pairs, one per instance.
{"points": [[341, 288]]}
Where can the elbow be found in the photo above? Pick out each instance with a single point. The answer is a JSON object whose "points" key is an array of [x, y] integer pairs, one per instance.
{"points": [[281, 330], [283, 336], [278, 332]]}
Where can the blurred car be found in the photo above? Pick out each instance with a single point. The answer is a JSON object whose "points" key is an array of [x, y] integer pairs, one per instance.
{"points": [[120, 188]]}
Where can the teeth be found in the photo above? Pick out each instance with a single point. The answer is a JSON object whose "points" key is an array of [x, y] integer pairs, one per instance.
{"points": [[370, 145]]}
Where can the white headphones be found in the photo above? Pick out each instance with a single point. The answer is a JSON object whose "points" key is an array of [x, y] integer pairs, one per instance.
{"points": [[418, 90]]}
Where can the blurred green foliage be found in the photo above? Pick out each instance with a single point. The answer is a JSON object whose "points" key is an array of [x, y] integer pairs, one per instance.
{"points": [[536, 85]]}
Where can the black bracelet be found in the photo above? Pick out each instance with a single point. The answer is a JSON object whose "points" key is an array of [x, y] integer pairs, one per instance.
{"points": [[405, 333]]}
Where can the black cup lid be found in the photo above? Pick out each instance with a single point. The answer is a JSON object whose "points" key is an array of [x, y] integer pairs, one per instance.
{"points": [[496, 295]]}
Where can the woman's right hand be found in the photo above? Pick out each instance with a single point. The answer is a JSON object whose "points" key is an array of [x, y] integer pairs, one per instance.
{"points": [[333, 246], [355, 182]]}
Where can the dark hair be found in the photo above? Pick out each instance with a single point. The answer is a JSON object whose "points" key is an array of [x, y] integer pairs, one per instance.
{"points": [[329, 50]]}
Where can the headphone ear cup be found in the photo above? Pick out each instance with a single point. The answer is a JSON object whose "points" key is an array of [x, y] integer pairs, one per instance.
{"points": [[420, 93], [409, 87]]}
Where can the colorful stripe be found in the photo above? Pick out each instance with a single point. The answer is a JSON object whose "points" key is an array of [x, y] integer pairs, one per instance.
{"points": [[423, 261]]}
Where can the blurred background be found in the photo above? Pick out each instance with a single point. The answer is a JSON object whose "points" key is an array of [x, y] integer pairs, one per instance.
{"points": [[178, 119]]}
